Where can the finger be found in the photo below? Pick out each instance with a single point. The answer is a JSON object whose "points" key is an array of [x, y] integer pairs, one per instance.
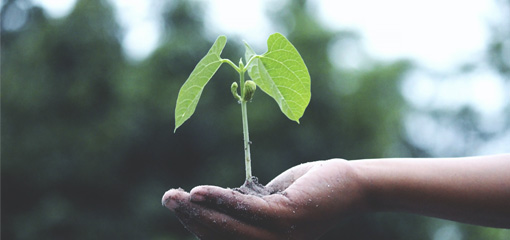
{"points": [[207, 223], [177, 200], [285, 179], [249, 208], [188, 213], [173, 197]]}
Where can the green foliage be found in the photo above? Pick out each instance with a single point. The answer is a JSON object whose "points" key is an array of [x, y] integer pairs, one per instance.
{"points": [[282, 74], [233, 89], [190, 92], [249, 90]]}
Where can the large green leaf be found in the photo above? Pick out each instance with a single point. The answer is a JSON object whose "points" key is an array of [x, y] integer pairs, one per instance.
{"points": [[282, 74], [192, 89]]}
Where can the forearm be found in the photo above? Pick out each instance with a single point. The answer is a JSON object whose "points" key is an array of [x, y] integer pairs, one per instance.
{"points": [[473, 190]]}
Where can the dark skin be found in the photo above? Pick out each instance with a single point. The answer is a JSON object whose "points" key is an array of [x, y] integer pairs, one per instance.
{"points": [[311, 197]]}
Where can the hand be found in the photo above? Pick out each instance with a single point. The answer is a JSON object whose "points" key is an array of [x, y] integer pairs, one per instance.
{"points": [[307, 201]]}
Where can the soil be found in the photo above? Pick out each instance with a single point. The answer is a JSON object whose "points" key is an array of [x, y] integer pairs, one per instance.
{"points": [[253, 187]]}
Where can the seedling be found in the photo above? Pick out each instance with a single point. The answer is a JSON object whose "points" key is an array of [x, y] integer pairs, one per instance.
{"points": [[280, 72]]}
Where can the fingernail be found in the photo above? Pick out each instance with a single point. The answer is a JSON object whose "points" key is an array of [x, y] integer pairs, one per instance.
{"points": [[167, 200], [171, 204]]}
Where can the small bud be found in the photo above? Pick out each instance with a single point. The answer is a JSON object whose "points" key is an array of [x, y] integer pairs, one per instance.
{"points": [[241, 65], [249, 90], [233, 89]]}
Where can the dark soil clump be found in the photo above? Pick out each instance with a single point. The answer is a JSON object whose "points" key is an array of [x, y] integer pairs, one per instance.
{"points": [[253, 187]]}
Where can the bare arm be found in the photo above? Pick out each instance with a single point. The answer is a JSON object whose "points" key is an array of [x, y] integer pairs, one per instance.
{"points": [[473, 190]]}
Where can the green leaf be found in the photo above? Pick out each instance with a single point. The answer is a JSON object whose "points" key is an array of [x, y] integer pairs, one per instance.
{"points": [[192, 89], [282, 74], [249, 52]]}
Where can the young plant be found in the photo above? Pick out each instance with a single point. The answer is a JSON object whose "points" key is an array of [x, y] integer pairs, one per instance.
{"points": [[280, 72]]}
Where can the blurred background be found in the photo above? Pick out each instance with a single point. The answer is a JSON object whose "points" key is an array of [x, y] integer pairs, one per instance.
{"points": [[89, 90]]}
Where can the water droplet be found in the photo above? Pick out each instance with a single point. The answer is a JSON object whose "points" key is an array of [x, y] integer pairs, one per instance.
{"points": [[317, 205], [293, 211], [329, 186]]}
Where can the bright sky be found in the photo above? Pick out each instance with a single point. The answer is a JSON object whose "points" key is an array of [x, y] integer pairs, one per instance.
{"points": [[438, 32]]}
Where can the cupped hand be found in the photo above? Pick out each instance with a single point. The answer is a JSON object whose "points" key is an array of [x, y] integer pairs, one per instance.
{"points": [[306, 201]]}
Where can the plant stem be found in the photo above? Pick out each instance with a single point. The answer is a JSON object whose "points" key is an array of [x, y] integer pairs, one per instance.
{"points": [[244, 112], [231, 64], [247, 155]]}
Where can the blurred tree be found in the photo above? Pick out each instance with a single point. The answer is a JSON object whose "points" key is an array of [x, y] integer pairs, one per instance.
{"points": [[499, 46], [59, 125]]}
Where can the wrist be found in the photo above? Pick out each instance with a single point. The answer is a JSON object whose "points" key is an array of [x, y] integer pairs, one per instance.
{"points": [[366, 177], [353, 181]]}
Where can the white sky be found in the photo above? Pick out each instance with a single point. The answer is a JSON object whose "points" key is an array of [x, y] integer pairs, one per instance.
{"points": [[436, 32]]}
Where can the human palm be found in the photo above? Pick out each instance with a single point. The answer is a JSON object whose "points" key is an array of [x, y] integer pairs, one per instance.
{"points": [[306, 201]]}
